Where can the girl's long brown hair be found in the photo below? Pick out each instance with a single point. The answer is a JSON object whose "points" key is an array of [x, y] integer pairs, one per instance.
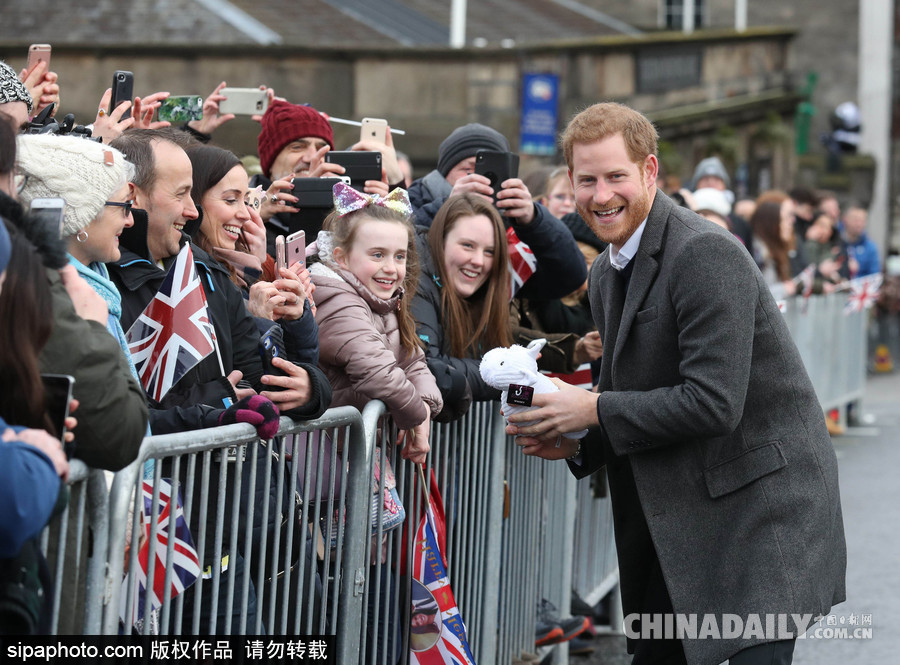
{"points": [[26, 321], [343, 231], [480, 322], [766, 225]]}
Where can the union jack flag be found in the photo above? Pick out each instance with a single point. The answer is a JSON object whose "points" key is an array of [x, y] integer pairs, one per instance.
{"points": [[522, 263], [174, 332], [450, 646], [581, 377], [863, 293], [185, 564]]}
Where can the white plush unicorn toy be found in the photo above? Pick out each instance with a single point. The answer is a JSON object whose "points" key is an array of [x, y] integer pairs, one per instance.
{"points": [[517, 366]]}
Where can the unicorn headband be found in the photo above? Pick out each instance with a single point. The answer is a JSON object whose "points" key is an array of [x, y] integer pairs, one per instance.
{"points": [[347, 199]]}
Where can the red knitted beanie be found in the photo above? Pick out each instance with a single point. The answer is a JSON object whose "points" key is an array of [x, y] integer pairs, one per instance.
{"points": [[284, 122]]}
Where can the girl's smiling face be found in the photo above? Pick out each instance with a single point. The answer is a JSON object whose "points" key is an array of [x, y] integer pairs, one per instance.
{"points": [[469, 254], [224, 210], [377, 256]]}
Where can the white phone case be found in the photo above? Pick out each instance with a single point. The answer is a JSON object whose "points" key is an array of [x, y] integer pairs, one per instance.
{"points": [[244, 101]]}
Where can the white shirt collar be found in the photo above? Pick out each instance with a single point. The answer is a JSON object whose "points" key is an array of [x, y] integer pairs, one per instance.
{"points": [[619, 257]]}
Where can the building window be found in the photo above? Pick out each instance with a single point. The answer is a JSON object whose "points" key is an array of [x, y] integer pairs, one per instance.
{"points": [[673, 10]]}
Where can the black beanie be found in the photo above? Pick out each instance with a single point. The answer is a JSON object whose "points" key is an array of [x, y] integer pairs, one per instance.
{"points": [[465, 141]]}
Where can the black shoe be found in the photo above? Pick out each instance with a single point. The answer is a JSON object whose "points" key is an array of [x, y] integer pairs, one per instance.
{"points": [[580, 647]]}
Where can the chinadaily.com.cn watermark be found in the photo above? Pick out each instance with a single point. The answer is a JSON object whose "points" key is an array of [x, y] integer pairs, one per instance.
{"points": [[751, 626]]}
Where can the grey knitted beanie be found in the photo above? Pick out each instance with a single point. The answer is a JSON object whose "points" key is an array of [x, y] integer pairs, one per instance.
{"points": [[465, 141]]}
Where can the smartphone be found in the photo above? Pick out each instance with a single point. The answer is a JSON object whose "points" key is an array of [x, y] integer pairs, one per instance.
{"points": [[57, 398], [182, 108], [360, 165], [295, 248], [498, 167], [51, 211], [280, 257], [315, 201], [373, 129], [243, 101], [271, 345], [122, 88], [37, 53]]}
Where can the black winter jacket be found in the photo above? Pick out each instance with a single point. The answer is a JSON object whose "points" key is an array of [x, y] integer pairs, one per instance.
{"points": [[196, 401], [560, 264]]}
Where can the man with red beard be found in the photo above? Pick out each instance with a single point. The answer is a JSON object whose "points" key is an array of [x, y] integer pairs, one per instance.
{"points": [[722, 475]]}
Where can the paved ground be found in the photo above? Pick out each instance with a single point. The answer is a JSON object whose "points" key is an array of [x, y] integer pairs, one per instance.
{"points": [[869, 459]]}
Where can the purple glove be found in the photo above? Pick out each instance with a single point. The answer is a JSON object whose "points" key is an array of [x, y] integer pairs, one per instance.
{"points": [[257, 410]]}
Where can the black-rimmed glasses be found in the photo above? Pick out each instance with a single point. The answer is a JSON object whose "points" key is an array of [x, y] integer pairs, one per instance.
{"points": [[121, 204]]}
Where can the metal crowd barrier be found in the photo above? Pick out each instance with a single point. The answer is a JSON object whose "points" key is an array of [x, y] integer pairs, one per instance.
{"points": [[272, 550], [833, 346], [75, 547]]}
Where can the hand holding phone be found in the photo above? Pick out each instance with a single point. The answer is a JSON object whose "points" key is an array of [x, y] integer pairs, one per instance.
{"points": [[122, 89], [38, 53], [295, 249], [359, 165], [498, 167], [373, 129], [243, 101], [181, 109]]}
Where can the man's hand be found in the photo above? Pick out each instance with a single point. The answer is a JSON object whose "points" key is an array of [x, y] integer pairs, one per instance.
{"points": [[89, 305], [211, 119], [473, 183], [514, 201], [143, 109], [319, 168], [569, 410], [546, 448], [588, 348], [390, 165], [240, 393], [297, 386]]}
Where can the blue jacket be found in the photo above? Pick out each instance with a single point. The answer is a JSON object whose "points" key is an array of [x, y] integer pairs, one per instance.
{"points": [[866, 254], [29, 487]]}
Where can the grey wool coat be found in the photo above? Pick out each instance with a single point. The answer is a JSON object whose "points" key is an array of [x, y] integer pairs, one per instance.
{"points": [[709, 422]]}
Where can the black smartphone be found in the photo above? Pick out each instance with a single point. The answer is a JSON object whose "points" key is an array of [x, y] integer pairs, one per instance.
{"points": [[122, 88], [360, 165], [57, 397], [316, 200], [271, 345], [498, 167]]}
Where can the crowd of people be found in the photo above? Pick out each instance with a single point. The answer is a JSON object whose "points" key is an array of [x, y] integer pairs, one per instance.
{"points": [[404, 286]]}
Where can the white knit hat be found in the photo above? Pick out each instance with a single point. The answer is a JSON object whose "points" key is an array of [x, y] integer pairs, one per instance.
{"points": [[83, 172]]}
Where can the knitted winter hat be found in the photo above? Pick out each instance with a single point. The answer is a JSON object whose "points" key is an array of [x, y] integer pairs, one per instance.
{"points": [[5, 246], [714, 200], [12, 89], [284, 122], [465, 141], [83, 172], [711, 166]]}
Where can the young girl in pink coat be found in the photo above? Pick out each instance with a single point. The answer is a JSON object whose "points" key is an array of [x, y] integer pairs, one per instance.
{"points": [[368, 345]]}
